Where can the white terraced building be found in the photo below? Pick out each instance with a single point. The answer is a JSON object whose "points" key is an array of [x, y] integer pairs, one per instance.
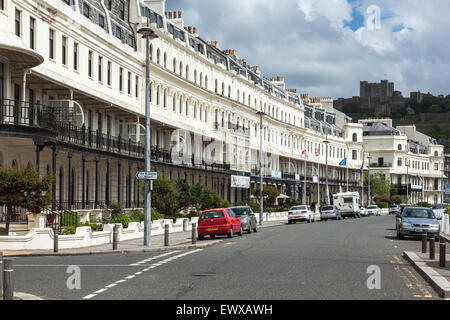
{"points": [[72, 92], [412, 161]]}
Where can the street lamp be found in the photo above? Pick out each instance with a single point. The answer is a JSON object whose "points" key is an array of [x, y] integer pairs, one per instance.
{"points": [[369, 196], [149, 35], [261, 198], [326, 170], [407, 182]]}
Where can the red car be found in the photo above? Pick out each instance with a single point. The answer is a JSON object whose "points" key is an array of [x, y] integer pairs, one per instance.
{"points": [[218, 222]]}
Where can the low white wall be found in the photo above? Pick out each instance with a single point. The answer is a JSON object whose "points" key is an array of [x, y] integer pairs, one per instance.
{"points": [[42, 238]]}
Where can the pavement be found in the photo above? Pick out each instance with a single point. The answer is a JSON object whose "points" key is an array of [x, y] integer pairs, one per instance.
{"points": [[351, 259], [438, 277], [177, 241]]}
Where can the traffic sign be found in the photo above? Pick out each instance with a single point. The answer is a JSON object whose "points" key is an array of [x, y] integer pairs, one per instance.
{"points": [[147, 175]]}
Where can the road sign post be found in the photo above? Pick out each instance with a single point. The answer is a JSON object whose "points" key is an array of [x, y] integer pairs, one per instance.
{"points": [[147, 175]]}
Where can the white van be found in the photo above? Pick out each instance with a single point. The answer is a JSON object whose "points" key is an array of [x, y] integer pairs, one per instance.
{"points": [[348, 204]]}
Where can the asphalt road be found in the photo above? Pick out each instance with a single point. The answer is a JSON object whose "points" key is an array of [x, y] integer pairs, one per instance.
{"points": [[324, 260]]}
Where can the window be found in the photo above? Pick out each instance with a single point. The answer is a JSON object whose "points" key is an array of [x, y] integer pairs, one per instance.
{"points": [[136, 85], [109, 4], [100, 69], [51, 44], [122, 10], [2, 4], [108, 73], [165, 99], [120, 79], [354, 155], [64, 51], [90, 64], [32, 32], [174, 65], [181, 104], [117, 32], [129, 83], [75, 56], [101, 21], [86, 9], [355, 137], [2, 81], [17, 23], [187, 107], [436, 166], [399, 147]]}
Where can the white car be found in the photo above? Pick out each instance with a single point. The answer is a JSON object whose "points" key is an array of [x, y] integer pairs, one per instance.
{"points": [[362, 211], [439, 210], [300, 213], [373, 210]]}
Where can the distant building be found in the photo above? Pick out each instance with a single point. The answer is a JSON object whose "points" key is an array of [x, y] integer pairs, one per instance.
{"points": [[382, 89]]}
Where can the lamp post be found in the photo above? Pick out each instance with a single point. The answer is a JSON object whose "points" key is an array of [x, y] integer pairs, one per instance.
{"points": [[148, 34], [326, 171], [369, 196], [407, 182], [261, 198]]}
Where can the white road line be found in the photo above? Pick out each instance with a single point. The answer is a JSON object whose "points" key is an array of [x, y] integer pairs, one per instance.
{"points": [[144, 270], [154, 258]]}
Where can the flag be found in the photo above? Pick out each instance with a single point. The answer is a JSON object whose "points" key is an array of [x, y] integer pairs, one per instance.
{"points": [[343, 162], [317, 152], [304, 153], [362, 169]]}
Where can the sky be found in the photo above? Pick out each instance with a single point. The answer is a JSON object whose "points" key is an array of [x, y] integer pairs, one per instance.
{"points": [[325, 47]]}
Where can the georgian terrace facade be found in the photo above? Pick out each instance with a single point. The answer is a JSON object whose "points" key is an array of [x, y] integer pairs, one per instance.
{"points": [[409, 159], [72, 81]]}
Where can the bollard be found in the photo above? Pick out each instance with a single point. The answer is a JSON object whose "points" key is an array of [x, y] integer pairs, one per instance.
{"points": [[166, 235], [1, 273], [432, 246], [424, 241], [442, 243], [55, 240], [8, 284], [115, 236], [185, 225], [194, 233]]}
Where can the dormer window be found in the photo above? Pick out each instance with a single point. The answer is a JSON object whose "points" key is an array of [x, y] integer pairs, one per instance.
{"points": [[122, 10], [86, 9]]}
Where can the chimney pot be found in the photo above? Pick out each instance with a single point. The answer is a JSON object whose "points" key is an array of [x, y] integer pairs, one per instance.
{"points": [[174, 14], [179, 14], [195, 30]]}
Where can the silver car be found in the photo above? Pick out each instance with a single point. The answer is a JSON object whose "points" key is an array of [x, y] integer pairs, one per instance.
{"points": [[330, 212], [300, 213], [416, 219], [247, 217]]}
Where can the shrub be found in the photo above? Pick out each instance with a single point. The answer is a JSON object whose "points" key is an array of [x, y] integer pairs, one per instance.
{"points": [[193, 214], [156, 215], [383, 204], [123, 219], [397, 199], [447, 211], [116, 209], [69, 230], [424, 204], [95, 227], [139, 215]]}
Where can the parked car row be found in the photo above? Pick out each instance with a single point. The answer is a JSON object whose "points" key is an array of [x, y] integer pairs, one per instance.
{"points": [[226, 221]]}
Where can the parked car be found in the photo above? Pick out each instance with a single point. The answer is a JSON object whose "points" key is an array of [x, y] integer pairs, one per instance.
{"points": [[300, 213], [394, 209], [247, 217], [373, 210], [439, 209], [218, 222], [362, 211], [330, 212], [416, 219]]}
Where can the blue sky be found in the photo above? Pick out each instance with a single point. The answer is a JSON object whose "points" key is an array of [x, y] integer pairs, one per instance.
{"points": [[323, 47]]}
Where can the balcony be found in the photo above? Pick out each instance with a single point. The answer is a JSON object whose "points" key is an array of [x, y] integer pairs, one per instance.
{"points": [[381, 165], [232, 128]]}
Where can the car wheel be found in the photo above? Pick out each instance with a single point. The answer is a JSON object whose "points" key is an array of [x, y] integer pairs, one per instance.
{"points": [[255, 229], [230, 234], [201, 237], [240, 231], [249, 228], [213, 236]]}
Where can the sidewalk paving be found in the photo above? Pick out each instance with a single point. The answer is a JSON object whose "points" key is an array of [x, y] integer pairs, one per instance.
{"points": [[177, 241], [436, 276]]}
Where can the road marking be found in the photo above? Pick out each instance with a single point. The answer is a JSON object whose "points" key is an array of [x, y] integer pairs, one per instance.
{"points": [[419, 291], [154, 258], [144, 270]]}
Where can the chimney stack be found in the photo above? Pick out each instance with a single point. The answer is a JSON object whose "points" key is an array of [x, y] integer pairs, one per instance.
{"points": [[179, 14], [174, 14]]}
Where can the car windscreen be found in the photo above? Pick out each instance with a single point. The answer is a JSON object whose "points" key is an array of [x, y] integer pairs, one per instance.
{"points": [[299, 208], [371, 207], [327, 208], [418, 213], [212, 215], [241, 211], [440, 206]]}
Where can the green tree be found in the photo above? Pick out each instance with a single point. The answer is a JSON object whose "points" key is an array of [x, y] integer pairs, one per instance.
{"points": [[184, 199], [165, 197], [270, 195], [24, 188], [379, 185]]}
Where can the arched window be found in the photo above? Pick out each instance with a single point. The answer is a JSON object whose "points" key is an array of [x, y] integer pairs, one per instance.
{"points": [[355, 137], [181, 68], [216, 86], [181, 104], [229, 92], [399, 147], [174, 102], [187, 107], [206, 82], [187, 72], [436, 154], [223, 88], [195, 110], [158, 53], [165, 99], [238, 95], [201, 79], [151, 52], [174, 65], [201, 113], [195, 76], [165, 60], [157, 96]]}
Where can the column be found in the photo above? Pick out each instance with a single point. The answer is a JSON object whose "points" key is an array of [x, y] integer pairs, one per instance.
{"points": [[96, 182], [83, 181], [119, 167], [107, 198], [129, 186], [54, 154], [69, 180]]}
